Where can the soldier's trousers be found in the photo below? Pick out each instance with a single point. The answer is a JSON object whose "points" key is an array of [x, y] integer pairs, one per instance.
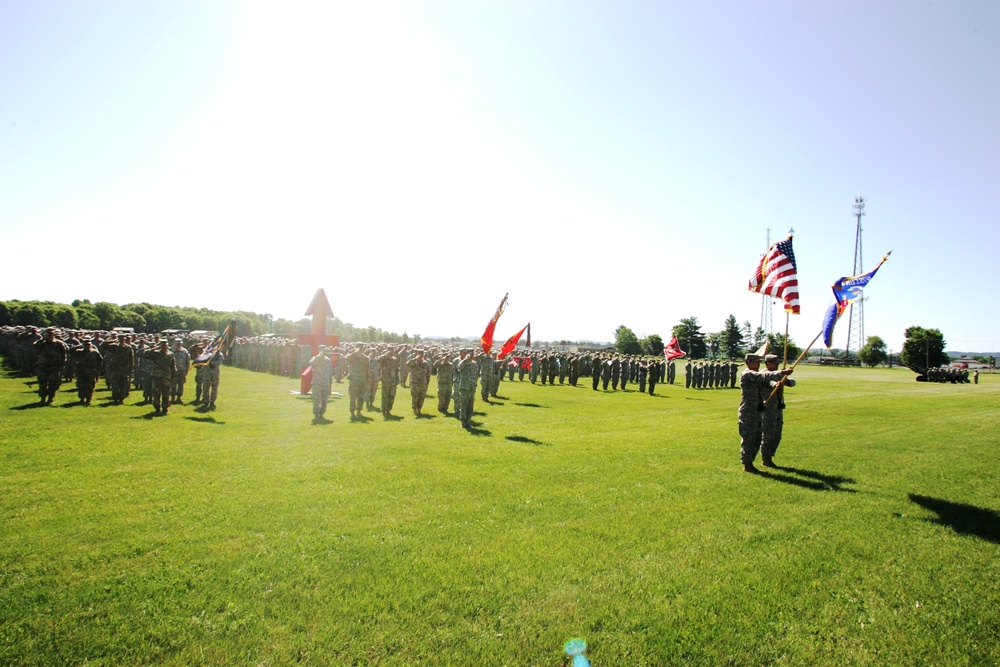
{"points": [[119, 384], [49, 380], [160, 392], [356, 391], [770, 429], [652, 387], [464, 402], [444, 398], [211, 391], [320, 396], [177, 388], [388, 396], [417, 395], [750, 435], [85, 383]]}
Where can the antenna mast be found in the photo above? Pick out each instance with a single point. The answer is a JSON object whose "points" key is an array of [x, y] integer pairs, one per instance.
{"points": [[856, 318], [766, 303]]}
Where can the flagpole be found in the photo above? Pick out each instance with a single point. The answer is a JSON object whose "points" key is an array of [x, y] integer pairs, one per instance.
{"points": [[784, 361], [801, 356]]}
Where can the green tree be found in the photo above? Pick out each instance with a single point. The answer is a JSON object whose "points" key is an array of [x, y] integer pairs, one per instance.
{"points": [[691, 338], [776, 345], [715, 344], [653, 345], [626, 342], [923, 349], [732, 339], [874, 352]]}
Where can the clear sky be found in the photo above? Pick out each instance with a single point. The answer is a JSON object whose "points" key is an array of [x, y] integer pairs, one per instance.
{"points": [[605, 163]]}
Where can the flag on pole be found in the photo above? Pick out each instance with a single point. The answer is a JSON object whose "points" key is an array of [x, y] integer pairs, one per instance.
{"points": [[762, 350], [223, 342], [529, 334], [673, 350], [777, 275], [845, 292], [487, 339], [511, 343]]}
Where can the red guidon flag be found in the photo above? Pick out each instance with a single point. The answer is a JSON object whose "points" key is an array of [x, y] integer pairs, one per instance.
{"points": [[487, 339], [673, 350], [511, 343], [777, 275]]}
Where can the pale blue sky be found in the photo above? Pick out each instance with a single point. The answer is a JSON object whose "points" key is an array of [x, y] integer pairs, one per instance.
{"points": [[604, 163]]}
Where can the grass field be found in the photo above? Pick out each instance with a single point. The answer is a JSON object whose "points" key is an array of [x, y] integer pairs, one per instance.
{"points": [[250, 536]]}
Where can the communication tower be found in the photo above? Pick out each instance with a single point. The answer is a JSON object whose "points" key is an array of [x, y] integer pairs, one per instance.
{"points": [[856, 317], [766, 301]]}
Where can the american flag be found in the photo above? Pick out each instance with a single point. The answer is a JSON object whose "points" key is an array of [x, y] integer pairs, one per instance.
{"points": [[776, 275]]}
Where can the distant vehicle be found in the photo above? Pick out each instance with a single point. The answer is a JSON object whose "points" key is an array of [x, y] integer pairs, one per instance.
{"points": [[123, 330]]}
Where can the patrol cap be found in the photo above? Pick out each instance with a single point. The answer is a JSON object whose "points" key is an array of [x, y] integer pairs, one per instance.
{"points": [[751, 357], [771, 359]]}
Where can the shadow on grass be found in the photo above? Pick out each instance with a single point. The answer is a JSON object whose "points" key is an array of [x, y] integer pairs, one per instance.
{"points": [[29, 406], [530, 405], [527, 441], [392, 418], [474, 429], [963, 519], [205, 420], [361, 419], [814, 480]]}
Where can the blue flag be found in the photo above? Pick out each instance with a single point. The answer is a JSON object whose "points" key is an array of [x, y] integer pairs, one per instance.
{"points": [[845, 292]]}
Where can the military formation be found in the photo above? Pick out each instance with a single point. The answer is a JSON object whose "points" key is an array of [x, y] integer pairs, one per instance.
{"points": [[949, 374], [127, 362]]}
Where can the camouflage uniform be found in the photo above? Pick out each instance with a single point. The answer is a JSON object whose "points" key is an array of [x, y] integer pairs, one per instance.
{"points": [[754, 389], [389, 365], [162, 369], [49, 366], [446, 380], [357, 376], [420, 377], [322, 377], [89, 363], [121, 363], [773, 418], [466, 374], [214, 371], [182, 362]]}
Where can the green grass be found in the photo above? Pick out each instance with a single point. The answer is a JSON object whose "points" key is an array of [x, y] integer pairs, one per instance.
{"points": [[248, 535]]}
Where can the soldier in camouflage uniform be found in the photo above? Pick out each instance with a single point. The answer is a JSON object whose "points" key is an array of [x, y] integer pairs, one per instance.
{"points": [[162, 369], [420, 377], [772, 418], [466, 374], [322, 378], [212, 376], [445, 369], [49, 363], [389, 366], [754, 390], [357, 376], [182, 363], [120, 366], [89, 364]]}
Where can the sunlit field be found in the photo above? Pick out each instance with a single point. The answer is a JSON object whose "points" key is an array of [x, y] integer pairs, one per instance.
{"points": [[249, 535]]}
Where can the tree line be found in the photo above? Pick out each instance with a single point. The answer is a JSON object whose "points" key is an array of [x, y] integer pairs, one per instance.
{"points": [[151, 318]]}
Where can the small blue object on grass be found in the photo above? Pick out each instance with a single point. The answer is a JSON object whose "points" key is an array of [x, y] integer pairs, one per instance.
{"points": [[576, 648]]}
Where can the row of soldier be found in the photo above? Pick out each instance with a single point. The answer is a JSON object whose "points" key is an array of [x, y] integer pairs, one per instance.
{"points": [[126, 361]]}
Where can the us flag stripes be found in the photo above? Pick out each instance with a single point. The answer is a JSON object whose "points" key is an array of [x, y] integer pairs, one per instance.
{"points": [[777, 275]]}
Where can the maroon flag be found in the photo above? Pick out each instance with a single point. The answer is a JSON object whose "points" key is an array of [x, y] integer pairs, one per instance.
{"points": [[511, 343], [673, 350], [487, 339], [777, 275]]}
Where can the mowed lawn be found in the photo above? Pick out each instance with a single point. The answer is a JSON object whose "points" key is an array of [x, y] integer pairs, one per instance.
{"points": [[250, 536]]}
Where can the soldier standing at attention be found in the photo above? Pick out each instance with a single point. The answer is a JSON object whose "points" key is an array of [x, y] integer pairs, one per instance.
{"points": [[466, 374], [322, 377], [773, 417], [445, 369], [52, 354], [754, 389], [162, 369], [389, 366], [89, 364], [654, 375], [357, 375], [595, 370], [120, 369], [420, 378], [182, 363]]}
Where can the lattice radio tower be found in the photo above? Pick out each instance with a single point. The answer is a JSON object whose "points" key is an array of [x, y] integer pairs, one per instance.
{"points": [[856, 318], [766, 302]]}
